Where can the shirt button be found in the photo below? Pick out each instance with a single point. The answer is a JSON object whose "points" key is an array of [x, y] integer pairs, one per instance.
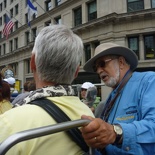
{"points": [[127, 148]]}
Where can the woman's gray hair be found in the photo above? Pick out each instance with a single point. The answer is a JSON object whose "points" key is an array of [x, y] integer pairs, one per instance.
{"points": [[58, 52]]}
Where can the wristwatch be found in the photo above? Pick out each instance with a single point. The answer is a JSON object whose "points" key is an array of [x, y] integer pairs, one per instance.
{"points": [[119, 133]]}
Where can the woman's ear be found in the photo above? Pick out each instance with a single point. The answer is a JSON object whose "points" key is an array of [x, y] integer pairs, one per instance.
{"points": [[32, 62]]}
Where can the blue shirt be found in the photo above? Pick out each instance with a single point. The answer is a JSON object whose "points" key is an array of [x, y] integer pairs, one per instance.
{"points": [[134, 110]]}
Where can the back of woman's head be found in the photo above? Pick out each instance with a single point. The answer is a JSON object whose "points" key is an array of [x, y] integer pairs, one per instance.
{"points": [[6, 94], [58, 52], [4, 89]]}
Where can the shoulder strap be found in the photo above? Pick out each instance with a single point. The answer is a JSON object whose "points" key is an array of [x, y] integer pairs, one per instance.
{"points": [[59, 116], [106, 110]]}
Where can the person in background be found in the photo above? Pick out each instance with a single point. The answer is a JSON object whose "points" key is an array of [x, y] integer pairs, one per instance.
{"points": [[29, 87], [14, 93], [127, 123], [55, 62], [5, 104], [89, 95]]}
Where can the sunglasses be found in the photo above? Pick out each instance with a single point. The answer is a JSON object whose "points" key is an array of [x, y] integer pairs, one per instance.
{"points": [[82, 89], [101, 63]]}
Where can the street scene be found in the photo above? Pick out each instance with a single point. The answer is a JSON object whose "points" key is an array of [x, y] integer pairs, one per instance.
{"points": [[77, 77]]}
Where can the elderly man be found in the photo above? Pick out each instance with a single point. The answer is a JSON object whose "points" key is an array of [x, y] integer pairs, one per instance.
{"points": [[55, 63], [127, 123]]}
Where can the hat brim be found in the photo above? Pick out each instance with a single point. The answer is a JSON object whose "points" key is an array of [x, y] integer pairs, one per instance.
{"points": [[129, 55]]}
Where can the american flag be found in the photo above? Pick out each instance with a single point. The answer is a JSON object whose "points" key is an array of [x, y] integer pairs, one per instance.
{"points": [[7, 27]]}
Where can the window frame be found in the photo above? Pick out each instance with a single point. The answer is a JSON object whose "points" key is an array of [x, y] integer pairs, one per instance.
{"points": [[150, 54], [16, 9], [93, 15], [48, 5], [87, 52], [58, 20], [138, 2], [77, 16], [137, 44]]}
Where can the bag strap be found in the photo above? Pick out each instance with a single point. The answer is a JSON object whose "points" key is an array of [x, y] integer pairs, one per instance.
{"points": [[59, 116]]}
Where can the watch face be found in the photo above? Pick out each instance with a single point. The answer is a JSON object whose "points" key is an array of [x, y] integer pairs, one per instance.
{"points": [[118, 129]]}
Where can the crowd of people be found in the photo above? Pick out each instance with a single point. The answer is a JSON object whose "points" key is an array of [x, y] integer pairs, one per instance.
{"points": [[125, 124]]}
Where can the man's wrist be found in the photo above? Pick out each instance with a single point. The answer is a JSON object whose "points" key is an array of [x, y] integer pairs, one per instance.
{"points": [[119, 134]]}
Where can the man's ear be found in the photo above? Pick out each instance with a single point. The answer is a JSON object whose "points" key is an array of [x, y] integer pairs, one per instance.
{"points": [[32, 62], [121, 62], [77, 71]]}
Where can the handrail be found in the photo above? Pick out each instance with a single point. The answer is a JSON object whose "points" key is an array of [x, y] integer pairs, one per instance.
{"points": [[38, 132]]}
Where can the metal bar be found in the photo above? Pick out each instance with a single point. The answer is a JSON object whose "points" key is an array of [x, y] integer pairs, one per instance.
{"points": [[38, 132]]}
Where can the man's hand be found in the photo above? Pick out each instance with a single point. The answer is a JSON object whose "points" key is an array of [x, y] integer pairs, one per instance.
{"points": [[97, 133]]}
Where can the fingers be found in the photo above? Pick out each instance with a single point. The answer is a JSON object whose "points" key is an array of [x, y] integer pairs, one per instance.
{"points": [[97, 133], [87, 117], [92, 126]]}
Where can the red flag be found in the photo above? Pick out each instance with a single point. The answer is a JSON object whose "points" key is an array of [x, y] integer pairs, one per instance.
{"points": [[7, 27]]}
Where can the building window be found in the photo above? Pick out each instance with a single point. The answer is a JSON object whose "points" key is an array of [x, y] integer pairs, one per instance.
{"points": [[11, 45], [27, 65], [58, 20], [0, 21], [11, 1], [78, 16], [14, 67], [87, 52], [4, 18], [48, 23], [0, 34], [26, 18], [153, 3], [92, 10], [34, 33], [57, 2], [48, 5], [11, 13], [4, 49], [11, 30], [16, 43], [0, 50], [1, 7], [27, 38], [34, 16], [16, 25], [135, 5], [16, 9], [149, 46], [5, 3], [133, 43]]}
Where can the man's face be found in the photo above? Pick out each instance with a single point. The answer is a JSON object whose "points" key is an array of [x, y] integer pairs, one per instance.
{"points": [[108, 69]]}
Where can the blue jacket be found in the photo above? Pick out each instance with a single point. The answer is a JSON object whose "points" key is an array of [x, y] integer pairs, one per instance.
{"points": [[134, 110]]}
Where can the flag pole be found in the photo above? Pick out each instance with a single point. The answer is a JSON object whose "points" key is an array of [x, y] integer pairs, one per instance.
{"points": [[14, 18], [46, 12]]}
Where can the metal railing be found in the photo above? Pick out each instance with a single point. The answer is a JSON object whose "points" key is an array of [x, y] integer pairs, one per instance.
{"points": [[38, 132]]}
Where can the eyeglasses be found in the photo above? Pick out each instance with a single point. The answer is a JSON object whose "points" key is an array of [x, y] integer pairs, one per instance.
{"points": [[101, 63]]}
